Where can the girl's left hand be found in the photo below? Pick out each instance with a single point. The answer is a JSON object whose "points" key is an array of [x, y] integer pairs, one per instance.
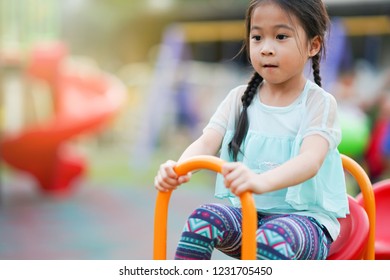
{"points": [[239, 178]]}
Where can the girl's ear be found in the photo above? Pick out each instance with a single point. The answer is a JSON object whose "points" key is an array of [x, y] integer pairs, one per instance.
{"points": [[315, 46]]}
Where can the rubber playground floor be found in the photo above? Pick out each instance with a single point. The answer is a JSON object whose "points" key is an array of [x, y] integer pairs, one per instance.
{"points": [[97, 221]]}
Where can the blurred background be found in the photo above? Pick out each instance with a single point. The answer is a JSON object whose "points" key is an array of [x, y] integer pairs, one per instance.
{"points": [[96, 94]]}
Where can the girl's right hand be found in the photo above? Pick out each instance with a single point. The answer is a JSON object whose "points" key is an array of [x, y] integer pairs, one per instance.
{"points": [[167, 179]]}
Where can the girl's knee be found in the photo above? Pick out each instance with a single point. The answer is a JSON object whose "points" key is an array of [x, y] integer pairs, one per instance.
{"points": [[220, 216]]}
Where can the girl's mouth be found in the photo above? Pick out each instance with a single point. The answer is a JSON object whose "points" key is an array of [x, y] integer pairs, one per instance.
{"points": [[269, 66]]}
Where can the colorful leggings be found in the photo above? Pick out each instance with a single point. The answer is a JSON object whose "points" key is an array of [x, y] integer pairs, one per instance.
{"points": [[281, 236]]}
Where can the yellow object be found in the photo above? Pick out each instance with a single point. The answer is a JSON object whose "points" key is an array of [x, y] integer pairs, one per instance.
{"points": [[234, 30]]}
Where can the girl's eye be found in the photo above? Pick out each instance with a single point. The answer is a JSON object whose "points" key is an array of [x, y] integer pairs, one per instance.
{"points": [[281, 37], [256, 37]]}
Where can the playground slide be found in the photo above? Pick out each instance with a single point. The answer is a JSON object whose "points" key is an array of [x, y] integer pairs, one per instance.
{"points": [[83, 104]]}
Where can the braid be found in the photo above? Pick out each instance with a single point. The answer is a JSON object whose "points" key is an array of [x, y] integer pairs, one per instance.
{"points": [[243, 122], [316, 69]]}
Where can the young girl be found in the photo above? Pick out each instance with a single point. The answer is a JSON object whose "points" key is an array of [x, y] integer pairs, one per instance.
{"points": [[279, 136]]}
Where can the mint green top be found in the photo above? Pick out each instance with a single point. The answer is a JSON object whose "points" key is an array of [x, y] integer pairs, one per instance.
{"points": [[274, 136]]}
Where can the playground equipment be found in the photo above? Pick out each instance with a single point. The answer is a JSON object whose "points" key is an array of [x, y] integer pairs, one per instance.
{"points": [[82, 104], [356, 239], [249, 215], [357, 236], [382, 232]]}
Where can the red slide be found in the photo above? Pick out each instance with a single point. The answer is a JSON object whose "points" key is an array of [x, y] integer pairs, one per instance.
{"points": [[82, 104]]}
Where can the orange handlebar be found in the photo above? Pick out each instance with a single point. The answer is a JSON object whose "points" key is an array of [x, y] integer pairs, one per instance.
{"points": [[369, 200], [249, 214]]}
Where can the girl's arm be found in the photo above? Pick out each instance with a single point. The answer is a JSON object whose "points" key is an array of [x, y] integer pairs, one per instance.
{"points": [[208, 143], [313, 151]]}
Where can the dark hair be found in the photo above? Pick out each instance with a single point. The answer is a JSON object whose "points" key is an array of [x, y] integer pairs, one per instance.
{"points": [[314, 19]]}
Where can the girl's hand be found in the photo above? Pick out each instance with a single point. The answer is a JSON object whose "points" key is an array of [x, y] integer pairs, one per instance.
{"points": [[239, 178], [167, 179]]}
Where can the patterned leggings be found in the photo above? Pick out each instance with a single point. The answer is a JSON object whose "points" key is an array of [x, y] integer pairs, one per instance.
{"points": [[281, 236]]}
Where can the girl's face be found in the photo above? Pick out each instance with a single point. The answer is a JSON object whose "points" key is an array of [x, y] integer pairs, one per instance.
{"points": [[279, 48]]}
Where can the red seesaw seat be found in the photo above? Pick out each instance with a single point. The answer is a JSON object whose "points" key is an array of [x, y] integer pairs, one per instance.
{"points": [[382, 232], [353, 235]]}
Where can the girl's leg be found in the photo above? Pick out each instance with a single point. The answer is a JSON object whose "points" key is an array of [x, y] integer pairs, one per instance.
{"points": [[211, 226], [291, 237], [279, 236]]}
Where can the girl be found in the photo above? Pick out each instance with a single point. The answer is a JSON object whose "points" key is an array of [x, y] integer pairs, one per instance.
{"points": [[279, 136]]}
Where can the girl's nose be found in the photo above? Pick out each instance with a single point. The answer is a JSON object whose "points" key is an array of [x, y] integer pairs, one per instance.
{"points": [[267, 52], [267, 49]]}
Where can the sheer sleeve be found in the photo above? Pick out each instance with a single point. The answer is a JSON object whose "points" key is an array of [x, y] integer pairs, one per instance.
{"points": [[322, 118], [227, 112]]}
